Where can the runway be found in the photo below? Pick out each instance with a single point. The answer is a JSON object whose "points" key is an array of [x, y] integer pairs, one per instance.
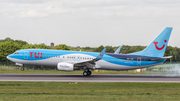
{"points": [[92, 78]]}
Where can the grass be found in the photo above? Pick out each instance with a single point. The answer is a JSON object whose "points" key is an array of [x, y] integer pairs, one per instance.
{"points": [[67, 91]]}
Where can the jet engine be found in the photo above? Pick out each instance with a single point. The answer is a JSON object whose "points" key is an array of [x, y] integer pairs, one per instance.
{"points": [[63, 66]]}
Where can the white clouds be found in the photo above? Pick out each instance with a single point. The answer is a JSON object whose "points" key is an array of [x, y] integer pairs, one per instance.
{"points": [[75, 19], [32, 13], [23, 1], [135, 8]]}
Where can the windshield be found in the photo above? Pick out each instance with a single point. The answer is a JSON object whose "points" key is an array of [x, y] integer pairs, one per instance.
{"points": [[16, 53]]}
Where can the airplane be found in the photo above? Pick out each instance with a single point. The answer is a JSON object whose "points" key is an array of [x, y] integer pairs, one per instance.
{"points": [[74, 60], [118, 50]]}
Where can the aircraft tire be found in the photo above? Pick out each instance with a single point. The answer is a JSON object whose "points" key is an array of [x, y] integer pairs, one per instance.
{"points": [[22, 69], [85, 73], [89, 73]]}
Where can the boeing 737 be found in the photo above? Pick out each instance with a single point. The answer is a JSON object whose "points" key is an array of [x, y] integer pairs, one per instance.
{"points": [[74, 60]]}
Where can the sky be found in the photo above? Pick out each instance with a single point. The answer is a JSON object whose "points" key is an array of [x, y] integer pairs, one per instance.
{"points": [[89, 22]]}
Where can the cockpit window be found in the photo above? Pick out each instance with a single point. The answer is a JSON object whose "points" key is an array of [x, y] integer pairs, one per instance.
{"points": [[16, 53]]}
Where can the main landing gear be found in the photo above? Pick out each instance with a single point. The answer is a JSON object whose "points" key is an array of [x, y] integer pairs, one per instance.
{"points": [[87, 72]]}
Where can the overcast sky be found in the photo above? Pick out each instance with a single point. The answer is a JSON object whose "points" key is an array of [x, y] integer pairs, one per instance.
{"points": [[89, 22]]}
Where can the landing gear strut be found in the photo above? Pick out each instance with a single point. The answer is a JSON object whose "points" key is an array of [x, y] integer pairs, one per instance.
{"points": [[87, 72]]}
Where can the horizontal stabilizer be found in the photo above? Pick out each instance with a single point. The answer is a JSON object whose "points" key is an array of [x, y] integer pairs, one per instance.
{"points": [[167, 57], [156, 59]]}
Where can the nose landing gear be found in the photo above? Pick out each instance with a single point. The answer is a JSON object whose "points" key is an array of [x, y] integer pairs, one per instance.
{"points": [[22, 69]]}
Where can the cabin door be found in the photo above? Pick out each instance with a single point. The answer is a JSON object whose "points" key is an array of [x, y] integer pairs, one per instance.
{"points": [[26, 55]]}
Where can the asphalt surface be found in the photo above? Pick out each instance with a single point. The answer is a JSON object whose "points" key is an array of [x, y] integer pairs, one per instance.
{"points": [[92, 78]]}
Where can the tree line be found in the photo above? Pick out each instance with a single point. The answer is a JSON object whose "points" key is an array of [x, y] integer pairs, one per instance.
{"points": [[9, 46]]}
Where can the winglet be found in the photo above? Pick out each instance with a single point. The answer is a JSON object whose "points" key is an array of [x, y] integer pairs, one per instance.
{"points": [[101, 54], [118, 50]]}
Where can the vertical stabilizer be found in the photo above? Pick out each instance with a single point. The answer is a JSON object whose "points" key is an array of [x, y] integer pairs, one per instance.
{"points": [[157, 48]]}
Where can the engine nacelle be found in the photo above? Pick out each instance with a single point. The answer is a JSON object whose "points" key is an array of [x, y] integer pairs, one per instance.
{"points": [[63, 66], [19, 64]]}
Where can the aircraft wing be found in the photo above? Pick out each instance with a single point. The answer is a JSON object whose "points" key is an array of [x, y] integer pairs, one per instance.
{"points": [[90, 63], [118, 50]]}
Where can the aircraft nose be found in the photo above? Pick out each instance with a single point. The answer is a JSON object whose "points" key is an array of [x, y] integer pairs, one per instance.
{"points": [[8, 57]]}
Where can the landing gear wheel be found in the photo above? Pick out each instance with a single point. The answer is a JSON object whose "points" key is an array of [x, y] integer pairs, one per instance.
{"points": [[85, 73], [22, 69], [89, 73]]}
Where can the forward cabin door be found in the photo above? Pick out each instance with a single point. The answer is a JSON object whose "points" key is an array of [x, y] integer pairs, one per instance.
{"points": [[26, 53]]}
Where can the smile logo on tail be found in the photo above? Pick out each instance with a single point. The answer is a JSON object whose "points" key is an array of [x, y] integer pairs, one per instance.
{"points": [[160, 47]]}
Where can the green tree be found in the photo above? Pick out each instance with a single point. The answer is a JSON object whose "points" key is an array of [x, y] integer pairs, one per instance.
{"points": [[6, 39], [7, 48], [109, 49], [62, 47], [18, 41], [21, 42], [35, 46], [99, 49]]}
